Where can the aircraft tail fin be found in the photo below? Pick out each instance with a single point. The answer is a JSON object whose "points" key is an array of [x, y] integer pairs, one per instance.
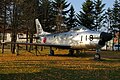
{"points": [[39, 28]]}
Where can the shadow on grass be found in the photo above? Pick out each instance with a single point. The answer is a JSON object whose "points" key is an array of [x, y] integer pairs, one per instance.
{"points": [[110, 60], [75, 55], [65, 74]]}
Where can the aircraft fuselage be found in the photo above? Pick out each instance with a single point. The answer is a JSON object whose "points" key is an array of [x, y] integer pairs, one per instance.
{"points": [[73, 39]]}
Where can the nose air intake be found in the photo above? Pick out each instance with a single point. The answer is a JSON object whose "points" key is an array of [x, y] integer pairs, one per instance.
{"points": [[104, 38]]}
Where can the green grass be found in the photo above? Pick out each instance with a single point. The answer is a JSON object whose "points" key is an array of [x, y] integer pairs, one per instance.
{"points": [[27, 66]]}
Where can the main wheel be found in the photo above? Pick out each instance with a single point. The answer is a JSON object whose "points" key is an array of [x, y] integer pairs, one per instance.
{"points": [[71, 52], [51, 52], [97, 56]]}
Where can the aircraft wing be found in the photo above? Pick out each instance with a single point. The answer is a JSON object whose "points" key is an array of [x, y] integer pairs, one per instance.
{"points": [[39, 44]]}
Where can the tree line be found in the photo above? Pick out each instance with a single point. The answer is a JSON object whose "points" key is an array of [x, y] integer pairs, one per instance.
{"points": [[55, 16]]}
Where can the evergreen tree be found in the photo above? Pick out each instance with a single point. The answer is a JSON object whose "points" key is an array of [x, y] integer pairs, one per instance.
{"points": [[99, 16], [14, 21], [71, 20], [1, 13], [86, 16], [46, 15], [116, 14], [108, 17], [60, 11], [3, 21], [116, 18], [28, 10]]}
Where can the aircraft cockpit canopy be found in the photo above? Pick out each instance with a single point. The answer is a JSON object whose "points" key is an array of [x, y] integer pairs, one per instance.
{"points": [[79, 28]]}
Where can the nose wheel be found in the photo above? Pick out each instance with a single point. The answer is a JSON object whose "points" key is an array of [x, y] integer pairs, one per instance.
{"points": [[97, 55]]}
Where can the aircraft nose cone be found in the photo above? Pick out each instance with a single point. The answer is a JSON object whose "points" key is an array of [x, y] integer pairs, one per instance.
{"points": [[105, 36]]}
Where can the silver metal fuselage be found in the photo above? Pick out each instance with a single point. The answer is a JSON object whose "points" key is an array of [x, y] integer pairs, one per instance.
{"points": [[75, 39]]}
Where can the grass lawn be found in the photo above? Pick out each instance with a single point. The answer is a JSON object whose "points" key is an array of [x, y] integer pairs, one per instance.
{"points": [[27, 66]]}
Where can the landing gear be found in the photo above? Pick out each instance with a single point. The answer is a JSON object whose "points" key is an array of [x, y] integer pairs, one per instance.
{"points": [[51, 52], [97, 55], [78, 52], [71, 52]]}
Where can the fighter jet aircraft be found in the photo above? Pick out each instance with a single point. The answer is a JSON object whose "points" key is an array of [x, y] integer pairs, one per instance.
{"points": [[76, 39]]}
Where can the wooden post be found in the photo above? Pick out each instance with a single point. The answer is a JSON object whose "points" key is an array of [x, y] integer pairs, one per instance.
{"points": [[17, 49], [2, 48], [41, 48], [36, 50]]}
